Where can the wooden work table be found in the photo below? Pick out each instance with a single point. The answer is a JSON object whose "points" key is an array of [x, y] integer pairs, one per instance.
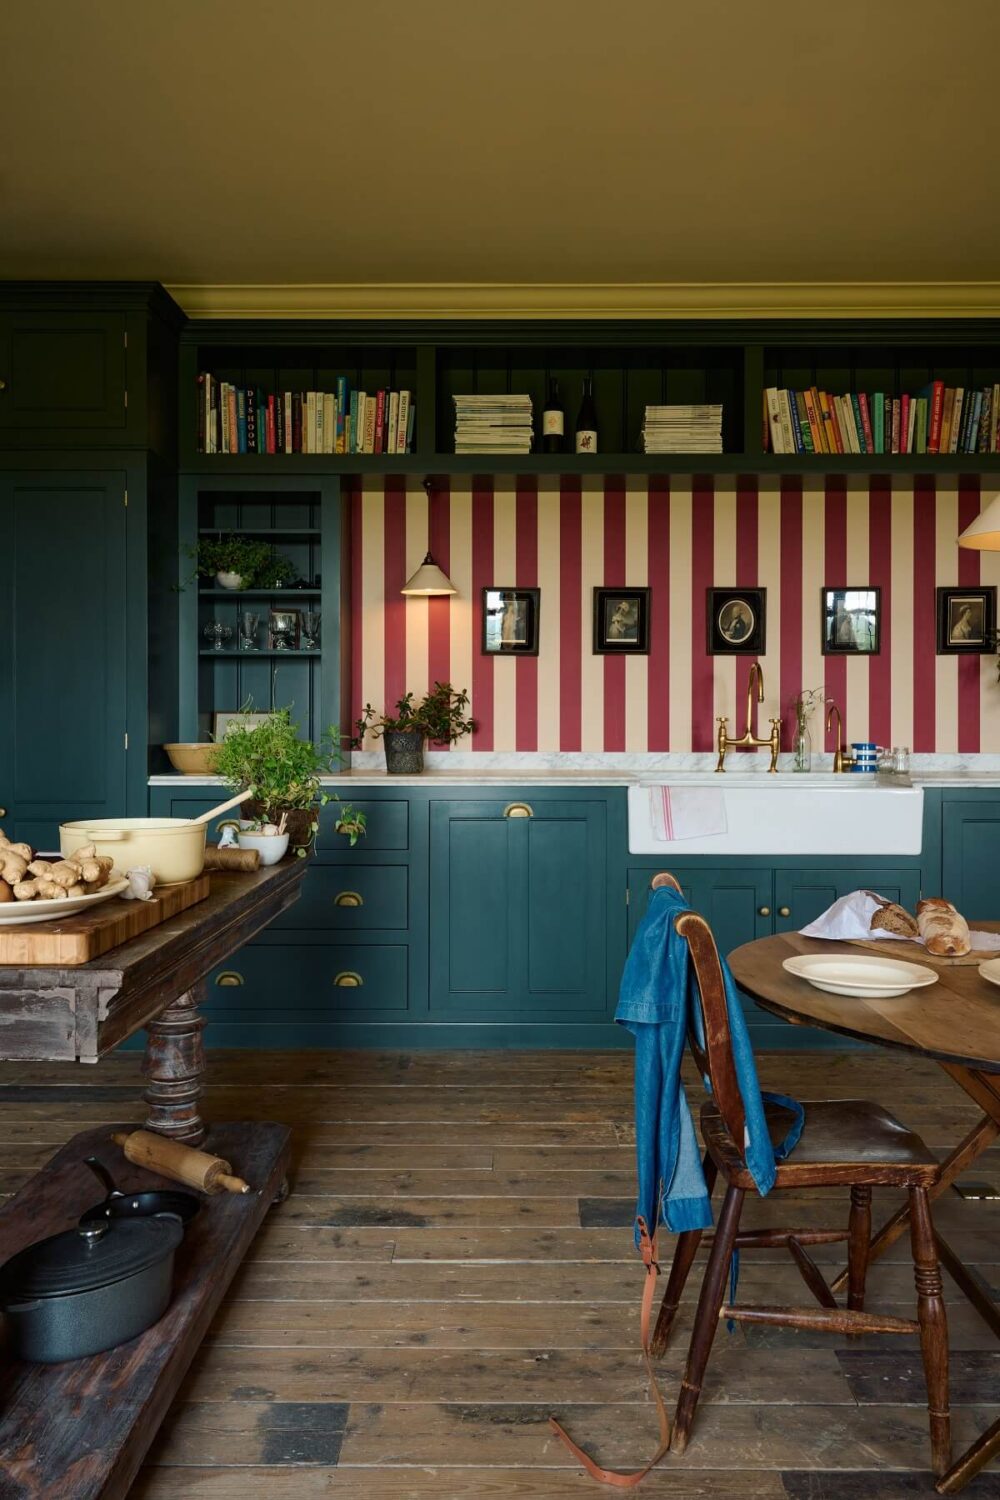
{"points": [[80, 1430]]}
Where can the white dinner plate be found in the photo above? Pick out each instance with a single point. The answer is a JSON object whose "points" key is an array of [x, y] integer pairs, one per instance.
{"points": [[17, 913], [861, 977], [991, 970]]}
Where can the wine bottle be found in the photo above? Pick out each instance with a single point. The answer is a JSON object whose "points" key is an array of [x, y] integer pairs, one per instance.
{"points": [[553, 421], [586, 422]]}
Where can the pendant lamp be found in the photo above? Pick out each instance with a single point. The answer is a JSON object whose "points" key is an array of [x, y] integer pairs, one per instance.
{"points": [[983, 534], [428, 581]]}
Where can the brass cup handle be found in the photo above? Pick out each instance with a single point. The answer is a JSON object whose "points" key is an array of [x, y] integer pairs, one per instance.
{"points": [[784, 911], [518, 810], [228, 979], [348, 898], [763, 911], [347, 979]]}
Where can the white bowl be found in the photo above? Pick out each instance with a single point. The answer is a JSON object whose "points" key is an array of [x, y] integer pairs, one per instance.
{"points": [[270, 846], [14, 913], [862, 978]]}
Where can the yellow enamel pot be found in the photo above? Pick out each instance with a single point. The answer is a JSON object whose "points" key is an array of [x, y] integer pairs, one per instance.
{"points": [[173, 848]]}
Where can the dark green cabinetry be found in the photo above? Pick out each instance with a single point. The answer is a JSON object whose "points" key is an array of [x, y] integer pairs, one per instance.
{"points": [[801, 895], [970, 845], [517, 909]]}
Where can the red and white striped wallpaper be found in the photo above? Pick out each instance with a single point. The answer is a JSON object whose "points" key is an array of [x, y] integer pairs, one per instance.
{"points": [[678, 535]]}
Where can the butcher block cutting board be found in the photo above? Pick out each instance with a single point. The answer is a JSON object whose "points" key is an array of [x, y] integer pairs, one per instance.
{"points": [[917, 953], [89, 934]]}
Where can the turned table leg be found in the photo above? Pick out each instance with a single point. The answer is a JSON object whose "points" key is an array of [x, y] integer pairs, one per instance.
{"points": [[173, 1068]]}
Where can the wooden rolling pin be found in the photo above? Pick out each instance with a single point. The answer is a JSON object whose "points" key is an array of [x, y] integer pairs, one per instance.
{"points": [[181, 1163]]}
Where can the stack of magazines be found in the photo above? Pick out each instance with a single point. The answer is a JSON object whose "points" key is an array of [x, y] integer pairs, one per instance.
{"points": [[493, 424], [682, 429]]}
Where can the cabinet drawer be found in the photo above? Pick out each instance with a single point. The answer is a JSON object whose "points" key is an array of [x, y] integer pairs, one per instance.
{"points": [[361, 898], [325, 977], [388, 826]]}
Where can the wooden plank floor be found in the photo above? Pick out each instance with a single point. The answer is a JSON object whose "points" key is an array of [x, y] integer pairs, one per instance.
{"points": [[455, 1263]]}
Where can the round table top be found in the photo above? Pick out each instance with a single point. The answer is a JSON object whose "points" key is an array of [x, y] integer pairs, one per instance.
{"points": [[956, 1020]]}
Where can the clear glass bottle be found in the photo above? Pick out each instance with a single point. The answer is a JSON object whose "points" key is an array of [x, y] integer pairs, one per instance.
{"points": [[802, 748]]}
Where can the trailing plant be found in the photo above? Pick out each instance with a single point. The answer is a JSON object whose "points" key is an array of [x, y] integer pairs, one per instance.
{"points": [[440, 717], [283, 770], [254, 560]]}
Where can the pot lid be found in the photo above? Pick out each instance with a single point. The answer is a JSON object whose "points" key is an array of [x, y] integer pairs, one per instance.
{"points": [[91, 1256]]}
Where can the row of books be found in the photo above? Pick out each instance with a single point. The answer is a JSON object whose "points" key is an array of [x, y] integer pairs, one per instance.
{"points": [[942, 419], [238, 419], [493, 424], [682, 429]]}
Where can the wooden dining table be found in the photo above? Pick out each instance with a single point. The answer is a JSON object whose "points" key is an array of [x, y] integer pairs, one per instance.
{"points": [[956, 1023]]}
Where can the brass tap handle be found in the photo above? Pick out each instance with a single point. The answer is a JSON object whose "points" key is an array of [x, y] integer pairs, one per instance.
{"points": [[722, 743]]}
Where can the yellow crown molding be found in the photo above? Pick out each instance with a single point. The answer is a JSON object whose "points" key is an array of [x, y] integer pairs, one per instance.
{"points": [[432, 300]]}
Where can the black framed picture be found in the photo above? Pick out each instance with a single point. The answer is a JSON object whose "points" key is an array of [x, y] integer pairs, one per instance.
{"points": [[621, 621], [966, 621], [851, 620], [510, 621], [737, 622]]}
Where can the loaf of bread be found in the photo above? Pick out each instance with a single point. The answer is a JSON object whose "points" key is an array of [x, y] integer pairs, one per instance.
{"points": [[891, 917], [944, 930]]}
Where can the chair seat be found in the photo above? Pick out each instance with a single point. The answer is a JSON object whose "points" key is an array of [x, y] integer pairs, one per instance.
{"points": [[843, 1141]]}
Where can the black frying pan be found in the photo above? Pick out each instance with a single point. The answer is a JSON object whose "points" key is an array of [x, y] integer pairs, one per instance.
{"points": [[119, 1205]]}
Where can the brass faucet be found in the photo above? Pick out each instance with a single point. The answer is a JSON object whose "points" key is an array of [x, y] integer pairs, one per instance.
{"points": [[725, 742], [841, 761]]}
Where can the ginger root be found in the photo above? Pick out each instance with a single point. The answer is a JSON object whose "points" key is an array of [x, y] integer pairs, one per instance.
{"points": [[13, 867]]}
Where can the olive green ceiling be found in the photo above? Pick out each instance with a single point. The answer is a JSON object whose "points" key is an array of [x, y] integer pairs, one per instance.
{"points": [[203, 142]]}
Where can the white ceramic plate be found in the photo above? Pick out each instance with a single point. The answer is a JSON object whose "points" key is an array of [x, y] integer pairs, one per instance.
{"points": [[991, 970], [17, 913], [862, 977]]}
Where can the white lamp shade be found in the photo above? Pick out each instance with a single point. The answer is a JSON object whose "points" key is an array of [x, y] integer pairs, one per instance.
{"points": [[984, 533], [428, 580]]}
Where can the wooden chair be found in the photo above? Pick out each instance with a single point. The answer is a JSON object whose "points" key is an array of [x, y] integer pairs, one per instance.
{"points": [[848, 1142]]}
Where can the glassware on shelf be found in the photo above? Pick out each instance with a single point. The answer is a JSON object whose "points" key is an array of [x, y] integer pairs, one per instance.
{"points": [[311, 620], [249, 625], [284, 625], [220, 635]]}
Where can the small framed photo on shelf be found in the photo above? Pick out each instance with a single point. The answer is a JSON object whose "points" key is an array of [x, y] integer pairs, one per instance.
{"points": [[966, 621], [737, 622], [621, 621], [851, 621], [284, 629], [510, 621], [223, 722]]}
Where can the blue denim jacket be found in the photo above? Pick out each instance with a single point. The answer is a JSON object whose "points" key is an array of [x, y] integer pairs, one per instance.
{"points": [[657, 999]]}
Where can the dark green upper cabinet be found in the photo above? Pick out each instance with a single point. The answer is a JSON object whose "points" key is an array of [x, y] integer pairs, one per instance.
{"points": [[64, 625], [518, 910], [970, 869]]}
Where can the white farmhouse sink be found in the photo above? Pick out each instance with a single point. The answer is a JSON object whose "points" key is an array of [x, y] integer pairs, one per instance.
{"points": [[789, 814]]}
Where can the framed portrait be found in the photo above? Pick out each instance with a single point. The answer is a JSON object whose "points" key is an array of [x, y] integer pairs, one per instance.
{"points": [[621, 621], [223, 722], [510, 621], [737, 622], [966, 621], [851, 620]]}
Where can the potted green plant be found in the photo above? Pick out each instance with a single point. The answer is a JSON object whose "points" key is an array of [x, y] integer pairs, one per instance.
{"points": [[439, 717], [241, 562], [283, 771]]}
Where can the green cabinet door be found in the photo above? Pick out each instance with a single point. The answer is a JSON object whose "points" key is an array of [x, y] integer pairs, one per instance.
{"points": [[970, 866], [63, 659], [801, 895], [63, 375], [518, 910]]}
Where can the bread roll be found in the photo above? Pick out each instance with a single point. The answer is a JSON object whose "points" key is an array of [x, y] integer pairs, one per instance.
{"points": [[894, 918], [944, 930]]}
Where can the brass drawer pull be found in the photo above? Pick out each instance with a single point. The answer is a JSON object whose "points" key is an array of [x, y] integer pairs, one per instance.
{"points": [[518, 810], [228, 978], [3, 812], [348, 898], [763, 911], [348, 980], [784, 911]]}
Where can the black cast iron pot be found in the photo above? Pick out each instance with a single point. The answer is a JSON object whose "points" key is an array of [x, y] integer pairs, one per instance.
{"points": [[90, 1288], [119, 1205]]}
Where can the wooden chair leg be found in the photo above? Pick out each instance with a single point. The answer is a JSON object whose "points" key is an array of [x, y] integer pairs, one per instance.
{"points": [[859, 1233], [933, 1328], [684, 1254], [706, 1320]]}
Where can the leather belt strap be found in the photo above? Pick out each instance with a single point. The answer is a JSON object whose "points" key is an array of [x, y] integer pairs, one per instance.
{"points": [[647, 1248]]}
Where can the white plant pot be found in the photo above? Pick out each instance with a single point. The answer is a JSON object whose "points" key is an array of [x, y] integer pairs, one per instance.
{"points": [[270, 846], [229, 580]]}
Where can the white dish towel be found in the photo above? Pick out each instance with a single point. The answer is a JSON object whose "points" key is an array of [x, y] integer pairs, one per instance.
{"points": [[687, 812]]}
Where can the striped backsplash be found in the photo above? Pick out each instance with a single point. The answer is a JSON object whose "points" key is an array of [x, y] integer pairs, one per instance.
{"points": [[679, 535]]}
